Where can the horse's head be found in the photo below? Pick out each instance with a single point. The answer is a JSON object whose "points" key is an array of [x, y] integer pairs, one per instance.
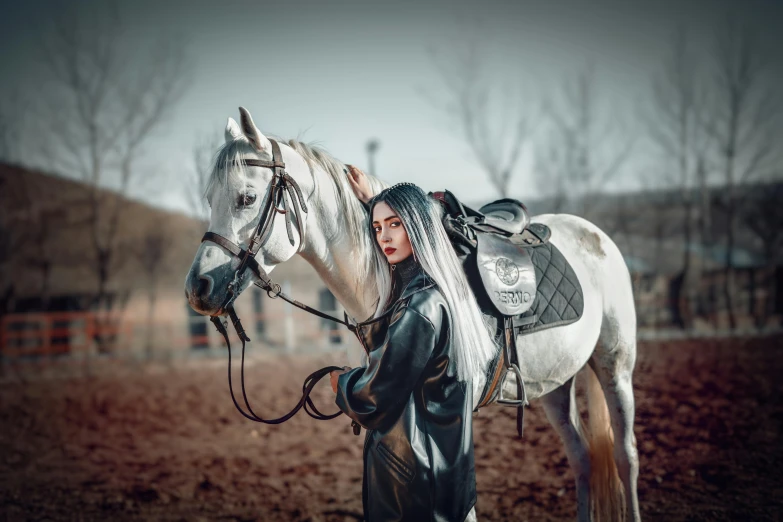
{"points": [[236, 192]]}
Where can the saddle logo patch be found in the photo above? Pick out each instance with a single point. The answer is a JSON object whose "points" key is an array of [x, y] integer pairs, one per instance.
{"points": [[507, 271], [512, 298]]}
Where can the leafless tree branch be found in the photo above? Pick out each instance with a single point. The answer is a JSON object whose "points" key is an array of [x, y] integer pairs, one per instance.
{"points": [[741, 124], [196, 185], [104, 101], [495, 125], [585, 151]]}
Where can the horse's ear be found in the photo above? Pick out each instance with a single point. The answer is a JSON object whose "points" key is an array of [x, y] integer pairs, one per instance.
{"points": [[232, 130], [259, 141]]}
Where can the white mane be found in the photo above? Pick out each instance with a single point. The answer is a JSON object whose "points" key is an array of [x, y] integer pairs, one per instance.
{"points": [[348, 205]]}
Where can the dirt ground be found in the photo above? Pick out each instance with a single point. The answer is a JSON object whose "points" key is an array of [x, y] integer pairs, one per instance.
{"points": [[167, 444]]}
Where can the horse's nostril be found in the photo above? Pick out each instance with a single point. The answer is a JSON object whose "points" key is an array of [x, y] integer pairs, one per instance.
{"points": [[204, 286]]}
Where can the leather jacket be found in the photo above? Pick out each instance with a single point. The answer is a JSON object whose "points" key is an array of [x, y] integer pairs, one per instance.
{"points": [[418, 451]]}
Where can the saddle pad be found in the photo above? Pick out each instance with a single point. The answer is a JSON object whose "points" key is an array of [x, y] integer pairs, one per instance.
{"points": [[559, 299]]}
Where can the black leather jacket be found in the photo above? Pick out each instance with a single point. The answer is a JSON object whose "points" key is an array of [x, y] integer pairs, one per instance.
{"points": [[418, 451]]}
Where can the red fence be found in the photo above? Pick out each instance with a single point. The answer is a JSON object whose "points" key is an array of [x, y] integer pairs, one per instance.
{"points": [[54, 333], [46, 336]]}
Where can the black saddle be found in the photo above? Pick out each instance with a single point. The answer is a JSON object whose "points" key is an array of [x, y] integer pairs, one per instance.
{"points": [[507, 215], [495, 237], [506, 256], [521, 281]]}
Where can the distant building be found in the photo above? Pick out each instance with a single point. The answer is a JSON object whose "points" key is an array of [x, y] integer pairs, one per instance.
{"points": [[47, 265], [648, 227]]}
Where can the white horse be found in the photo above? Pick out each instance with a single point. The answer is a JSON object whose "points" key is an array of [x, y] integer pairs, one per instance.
{"points": [[336, 242]]}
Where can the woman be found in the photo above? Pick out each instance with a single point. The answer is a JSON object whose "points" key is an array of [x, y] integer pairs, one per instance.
{"points": [[415, 396]]}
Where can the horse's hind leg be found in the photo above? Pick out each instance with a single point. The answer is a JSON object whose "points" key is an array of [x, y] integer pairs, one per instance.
{"points": [[563, 414], [613, 365]]}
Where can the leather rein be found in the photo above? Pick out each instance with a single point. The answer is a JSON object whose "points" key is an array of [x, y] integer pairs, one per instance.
{"points": [[282, 189]]}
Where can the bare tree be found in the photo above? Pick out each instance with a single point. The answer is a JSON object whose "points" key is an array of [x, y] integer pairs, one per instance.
{"points": [[43, 257], [28, 227], [492, 115], [548, 168], [103, 101], [12, 237], [30, 222], [583, 152], [675, 131], [196, 188], [741, 122], [762, 214], [154, 247]]}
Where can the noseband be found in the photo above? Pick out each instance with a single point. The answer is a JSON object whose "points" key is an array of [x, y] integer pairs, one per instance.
{"points": [[276, 200]]}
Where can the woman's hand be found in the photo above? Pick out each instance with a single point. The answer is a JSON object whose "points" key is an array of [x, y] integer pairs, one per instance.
{"points": [[334, 375], [359, 184]]}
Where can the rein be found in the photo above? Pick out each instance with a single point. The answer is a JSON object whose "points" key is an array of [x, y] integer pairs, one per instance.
{"points": [[281, 190], [309, 382]]}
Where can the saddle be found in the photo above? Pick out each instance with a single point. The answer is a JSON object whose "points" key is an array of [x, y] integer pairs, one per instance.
{"points": [[522, 283]]}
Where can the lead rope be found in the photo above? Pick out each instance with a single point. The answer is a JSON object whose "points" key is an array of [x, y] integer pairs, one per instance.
{"points": [[309, 382]]}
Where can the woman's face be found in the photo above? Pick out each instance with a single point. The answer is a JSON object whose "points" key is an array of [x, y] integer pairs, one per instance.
{"points": [[390, 234]]}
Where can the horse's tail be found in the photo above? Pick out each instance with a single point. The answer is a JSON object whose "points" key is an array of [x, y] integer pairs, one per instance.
{"points": [[607, 502]]}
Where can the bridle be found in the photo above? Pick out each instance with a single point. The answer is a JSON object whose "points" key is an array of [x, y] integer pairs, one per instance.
{"points": [[281, 189]]}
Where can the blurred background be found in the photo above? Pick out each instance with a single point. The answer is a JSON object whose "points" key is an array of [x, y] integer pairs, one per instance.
{"points": [[659, 121]]}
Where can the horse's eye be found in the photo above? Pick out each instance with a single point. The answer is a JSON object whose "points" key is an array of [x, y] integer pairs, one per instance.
{"points": [[245, 200]]}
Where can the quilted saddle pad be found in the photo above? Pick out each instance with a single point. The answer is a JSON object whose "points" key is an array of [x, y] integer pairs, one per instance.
{"points": [[559, 299]]}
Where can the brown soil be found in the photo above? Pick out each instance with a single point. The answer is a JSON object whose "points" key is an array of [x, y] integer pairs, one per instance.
{"points": [[164, 444]]}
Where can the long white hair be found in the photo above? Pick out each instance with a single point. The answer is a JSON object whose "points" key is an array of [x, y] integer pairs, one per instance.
{"points": [[421, 216]]}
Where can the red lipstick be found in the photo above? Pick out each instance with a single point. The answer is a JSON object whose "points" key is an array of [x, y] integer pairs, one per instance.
{"points": [[389, 251]]}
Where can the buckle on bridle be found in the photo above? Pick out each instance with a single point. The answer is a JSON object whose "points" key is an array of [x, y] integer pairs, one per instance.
{"points": [[275, 291]]}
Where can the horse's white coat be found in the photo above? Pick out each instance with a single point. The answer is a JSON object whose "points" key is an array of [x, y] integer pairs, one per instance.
{"points": [[604, 337]]}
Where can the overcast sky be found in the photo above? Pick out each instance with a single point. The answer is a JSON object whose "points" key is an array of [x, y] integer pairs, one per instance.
{"points": [[340, 73]]}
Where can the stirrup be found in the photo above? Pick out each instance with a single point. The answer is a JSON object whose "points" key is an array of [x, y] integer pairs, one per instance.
{"points": [[520, 401]]}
